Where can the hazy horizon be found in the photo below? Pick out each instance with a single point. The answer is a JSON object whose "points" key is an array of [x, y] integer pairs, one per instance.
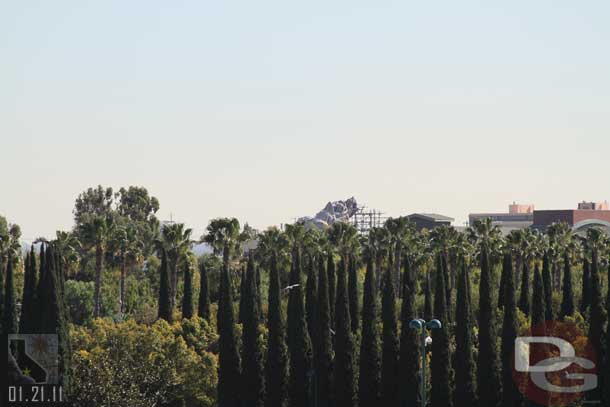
{"points": [[266, 111]]}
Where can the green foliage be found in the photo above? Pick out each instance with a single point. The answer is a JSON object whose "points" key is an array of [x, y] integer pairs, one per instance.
{"points": [[187, 296], [9, 310], [511, 396], [322, 339], [409, 342], [127, 364], [165, 302]]}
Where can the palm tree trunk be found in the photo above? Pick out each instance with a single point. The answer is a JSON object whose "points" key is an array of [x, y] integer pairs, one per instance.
{"points": [[99, 263]]}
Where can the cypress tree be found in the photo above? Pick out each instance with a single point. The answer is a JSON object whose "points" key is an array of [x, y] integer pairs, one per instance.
{"points": [[276, 367], [36, 321], [345, 369], [29, 294], [524, 299], [311, 297], [567, 303], [252, 376], [299, 342], [204, 293], [53, 314], [596, 320], [440, 364], [585, 298], [370, 346], [330, 268], [548, 288], [165, 303], [538, 300], [229, 363], [409, 359], [488, 369], [428, 307], [511, 396], [242, 294], [354, 303], [323, 340], [464, 364], [502, 290], [447, 279], [259, 294], [390, 351], [9, 311], [606, 378], [187, 297]]}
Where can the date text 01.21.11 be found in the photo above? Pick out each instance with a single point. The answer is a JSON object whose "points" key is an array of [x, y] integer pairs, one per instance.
{"points": [[43, 395]]}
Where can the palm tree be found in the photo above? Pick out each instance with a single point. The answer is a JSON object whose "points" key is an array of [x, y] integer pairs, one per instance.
{"points": [[68, 247], [176, 239], [345, 238], [128, 247], [400, 231], [95, 231], [224, 237]]}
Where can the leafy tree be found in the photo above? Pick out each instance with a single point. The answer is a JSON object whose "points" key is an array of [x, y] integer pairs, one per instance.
{"points": [[165, 302], [299, 342], [204, 293], [548, 287], [464, 363], [606, 378], [567, 303], [390, 386], [511, 396], [276, 368], [409, 361], [441, 362], [345, 369], [187, 297], [253, 380], [322, 340], [488, 369]]}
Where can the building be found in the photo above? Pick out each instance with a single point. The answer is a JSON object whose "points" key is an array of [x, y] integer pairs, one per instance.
{"points": [[519, 216], [588, 214], [429, 220]]}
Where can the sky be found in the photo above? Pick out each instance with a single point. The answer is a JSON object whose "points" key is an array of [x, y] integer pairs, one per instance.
{"points": [[266, 110]]}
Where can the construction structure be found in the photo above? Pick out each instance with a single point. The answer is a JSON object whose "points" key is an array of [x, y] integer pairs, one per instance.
{"points": [[364, 219]]}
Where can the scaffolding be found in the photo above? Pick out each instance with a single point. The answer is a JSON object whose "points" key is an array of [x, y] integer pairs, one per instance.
{"points": [[364, 219]]}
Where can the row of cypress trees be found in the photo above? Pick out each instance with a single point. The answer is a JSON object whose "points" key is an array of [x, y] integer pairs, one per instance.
{"points": [[312, 356], [43, 309]]}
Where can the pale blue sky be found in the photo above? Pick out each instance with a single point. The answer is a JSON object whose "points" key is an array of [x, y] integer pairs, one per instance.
{"points": [[265, 110]]}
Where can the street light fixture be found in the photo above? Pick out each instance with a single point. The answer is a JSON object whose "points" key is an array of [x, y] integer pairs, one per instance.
{"points": [[423, 326]]}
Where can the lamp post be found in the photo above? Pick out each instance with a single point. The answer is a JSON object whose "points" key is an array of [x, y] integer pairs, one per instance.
{"points": [[423, 326]]}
